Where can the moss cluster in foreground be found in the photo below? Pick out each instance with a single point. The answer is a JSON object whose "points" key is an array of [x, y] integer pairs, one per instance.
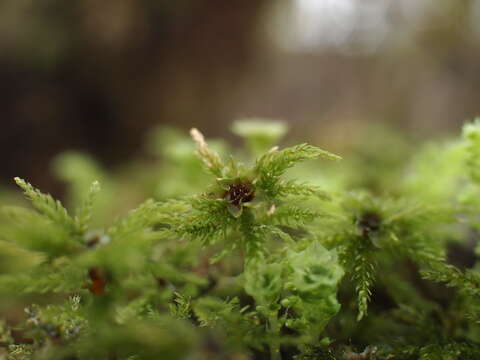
{"points": [[274, 253]]}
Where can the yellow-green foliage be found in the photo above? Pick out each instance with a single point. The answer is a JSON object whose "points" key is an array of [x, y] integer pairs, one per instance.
{"points": [[233, 256]]}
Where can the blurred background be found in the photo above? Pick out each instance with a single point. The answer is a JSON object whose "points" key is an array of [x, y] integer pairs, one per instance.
{"points": [[96, 76]]}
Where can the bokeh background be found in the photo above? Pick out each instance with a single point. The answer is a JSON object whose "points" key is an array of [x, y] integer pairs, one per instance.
{"points": [[96, 76]]}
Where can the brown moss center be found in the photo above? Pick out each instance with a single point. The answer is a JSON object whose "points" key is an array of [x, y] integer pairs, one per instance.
{"points": [[238, 194]]}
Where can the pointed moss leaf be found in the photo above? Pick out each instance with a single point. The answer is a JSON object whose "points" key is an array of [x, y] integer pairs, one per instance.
{"points": [[210, 158], [358, 258], [48, 207], [275, 163], [85, 212]]}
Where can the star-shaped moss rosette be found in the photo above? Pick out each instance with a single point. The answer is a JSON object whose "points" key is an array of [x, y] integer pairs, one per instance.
{"points": [[250, 198], [238, 193], [370, 229]]}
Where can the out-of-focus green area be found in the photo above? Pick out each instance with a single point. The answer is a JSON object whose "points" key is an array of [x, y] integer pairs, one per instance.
{"points": [[96, 76]]}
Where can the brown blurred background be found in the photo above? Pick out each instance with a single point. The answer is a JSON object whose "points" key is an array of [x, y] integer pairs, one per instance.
{"points": [[97, 75]]}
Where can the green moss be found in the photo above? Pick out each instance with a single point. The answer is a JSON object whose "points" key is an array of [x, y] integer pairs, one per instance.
{"points": [[230, 259]]}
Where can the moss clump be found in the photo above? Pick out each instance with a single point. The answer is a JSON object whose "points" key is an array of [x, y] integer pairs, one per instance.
{"points": [[249, 262]]}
